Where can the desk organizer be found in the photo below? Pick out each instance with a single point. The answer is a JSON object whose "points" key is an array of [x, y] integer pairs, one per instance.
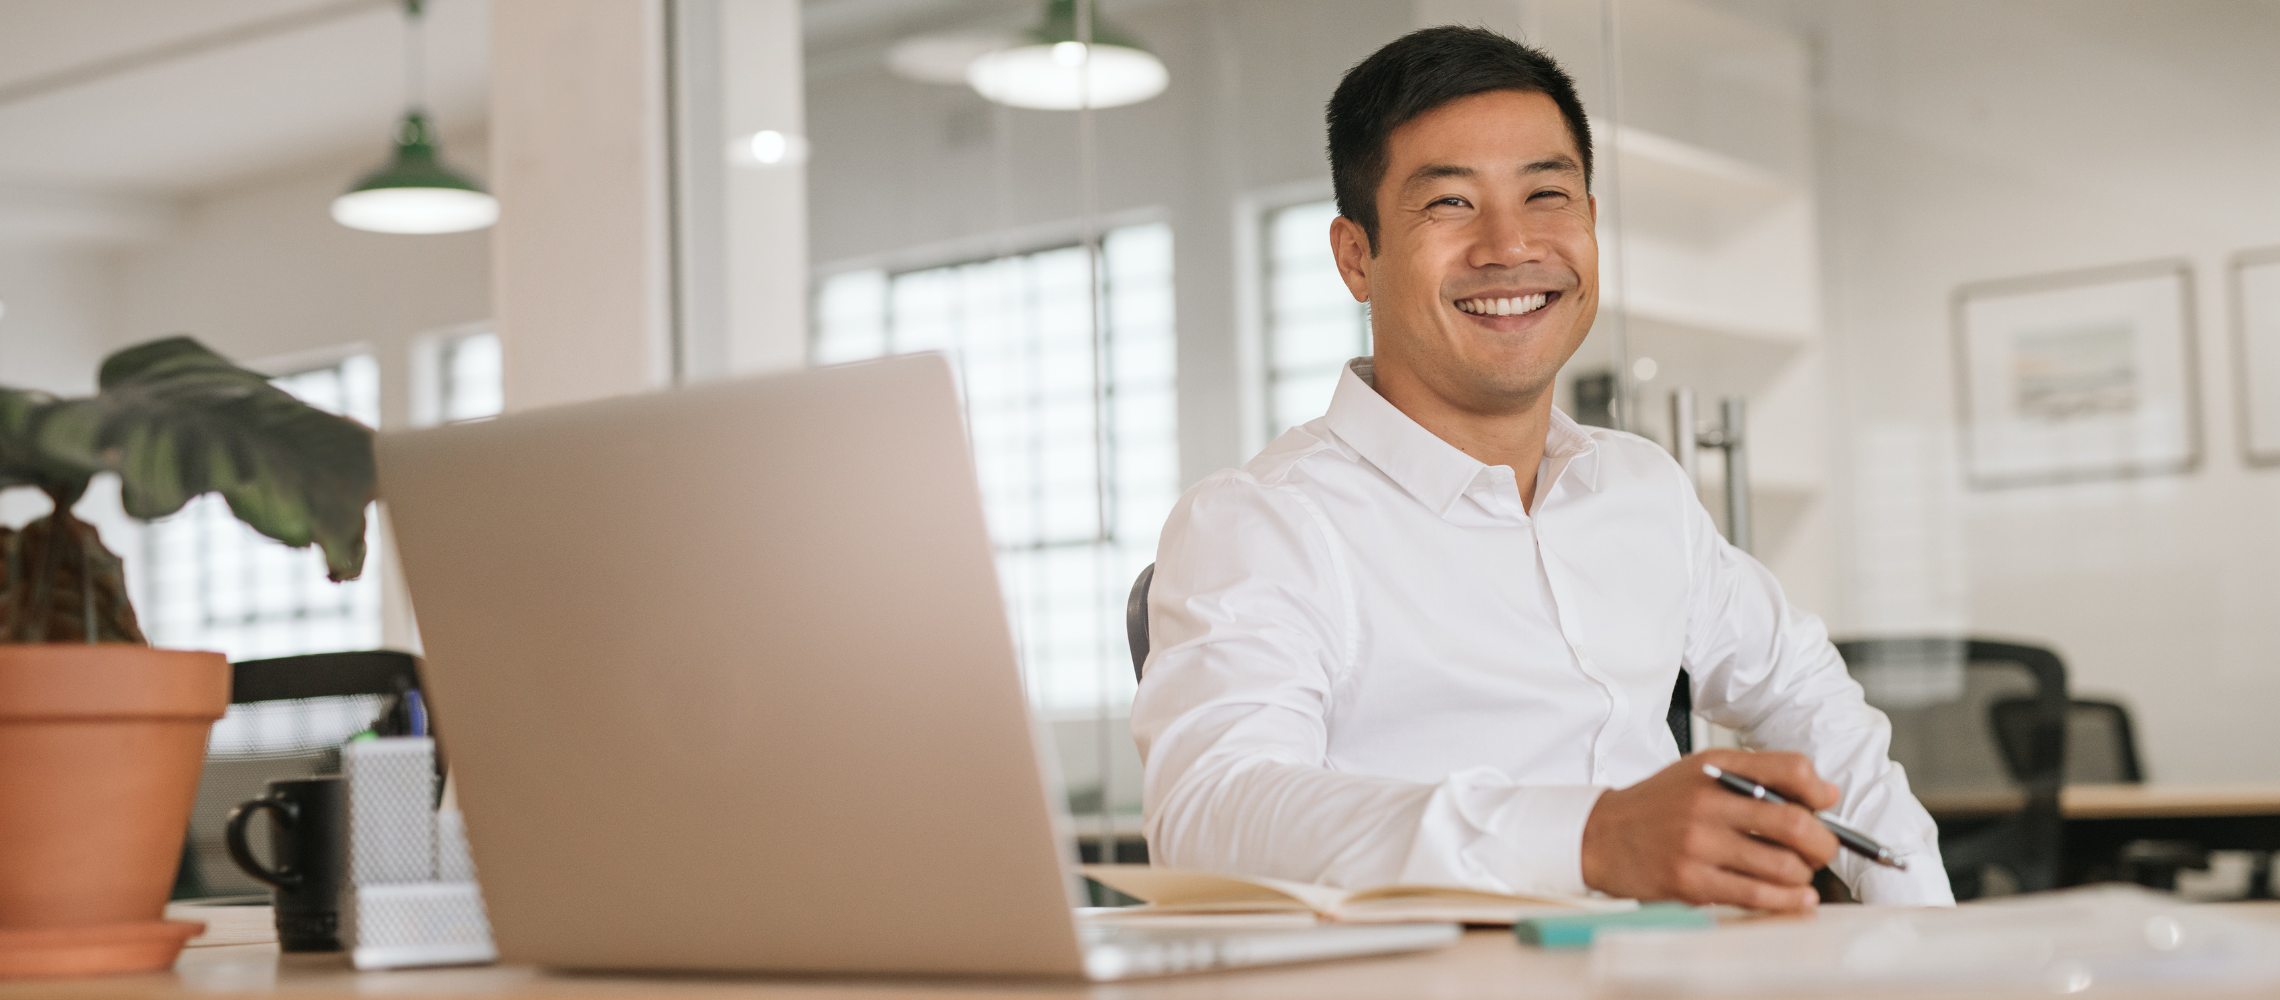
{"points": [[411, 897]]}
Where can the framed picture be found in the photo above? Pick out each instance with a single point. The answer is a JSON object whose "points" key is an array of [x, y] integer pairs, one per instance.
{"points": [[2078, 376], [2256, 352]]}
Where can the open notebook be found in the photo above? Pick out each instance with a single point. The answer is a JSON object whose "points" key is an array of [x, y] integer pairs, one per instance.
{"points": [[1175, 891]]}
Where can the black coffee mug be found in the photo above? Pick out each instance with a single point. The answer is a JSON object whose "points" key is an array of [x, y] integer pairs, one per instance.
{"points": [[308, 834]]}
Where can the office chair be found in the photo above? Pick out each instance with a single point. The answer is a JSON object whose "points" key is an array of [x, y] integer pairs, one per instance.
{"points": [[1937, 693], [288, 717], [1679, 717], [1136, 619], [2101, 748]]}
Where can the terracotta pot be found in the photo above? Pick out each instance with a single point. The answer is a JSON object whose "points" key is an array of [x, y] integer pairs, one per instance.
{"points": [[100, 749]]}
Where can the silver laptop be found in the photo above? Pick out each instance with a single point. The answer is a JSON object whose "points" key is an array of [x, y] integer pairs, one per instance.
{"points": [[725, 683]]}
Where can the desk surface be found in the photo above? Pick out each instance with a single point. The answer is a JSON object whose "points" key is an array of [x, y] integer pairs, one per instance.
{"points": [[2117, 801], [1485, 963]]}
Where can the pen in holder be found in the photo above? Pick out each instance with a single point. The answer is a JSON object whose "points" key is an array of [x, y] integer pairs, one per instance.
{"points": [[411, 897]]}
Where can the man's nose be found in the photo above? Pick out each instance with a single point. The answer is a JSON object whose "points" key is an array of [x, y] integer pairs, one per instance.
{"points": [[1504, 239]]}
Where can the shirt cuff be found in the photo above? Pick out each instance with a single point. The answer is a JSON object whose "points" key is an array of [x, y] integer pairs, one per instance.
{"points": [[1481, 831], [1925, 883]]}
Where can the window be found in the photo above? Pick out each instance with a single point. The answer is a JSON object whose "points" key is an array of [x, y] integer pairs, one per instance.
{"points": [[458, 374], [1076, 448], [470, 377], [1313, 325], [212, 583]]}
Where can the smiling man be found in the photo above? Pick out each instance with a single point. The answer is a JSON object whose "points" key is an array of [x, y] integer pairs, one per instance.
{"points": [[1382, 656]]}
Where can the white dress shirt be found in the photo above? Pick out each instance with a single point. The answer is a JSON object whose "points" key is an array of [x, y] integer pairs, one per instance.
{"points": [[1372, 665]]}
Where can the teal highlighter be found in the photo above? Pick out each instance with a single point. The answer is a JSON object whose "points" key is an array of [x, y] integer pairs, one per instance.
{"points": [[1578, 930]]}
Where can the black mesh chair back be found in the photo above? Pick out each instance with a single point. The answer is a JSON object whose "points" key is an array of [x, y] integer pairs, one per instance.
{"points": [[2101, 749], [1939, 694], [288, 717]]}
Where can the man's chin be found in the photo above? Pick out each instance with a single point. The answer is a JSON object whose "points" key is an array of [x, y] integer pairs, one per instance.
{"points": [[1498, 389]]}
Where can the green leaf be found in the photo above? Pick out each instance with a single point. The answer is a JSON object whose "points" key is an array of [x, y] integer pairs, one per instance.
{"points": [[178, 420], [17, 461], [47, 442]]}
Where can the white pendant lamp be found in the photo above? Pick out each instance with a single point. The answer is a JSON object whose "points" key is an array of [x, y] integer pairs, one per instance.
{"points": [[1052, 68], [415, 193]]}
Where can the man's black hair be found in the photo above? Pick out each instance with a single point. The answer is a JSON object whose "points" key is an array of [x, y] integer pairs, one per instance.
{"points": [[1416, 73]]}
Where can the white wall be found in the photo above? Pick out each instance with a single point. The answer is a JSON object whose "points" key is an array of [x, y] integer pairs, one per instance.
{"points": [[1963, 141], [59, 311], [259, 271]]}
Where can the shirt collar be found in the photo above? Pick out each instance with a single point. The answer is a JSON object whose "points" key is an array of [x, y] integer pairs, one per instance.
{"points": [[1428, 468]]}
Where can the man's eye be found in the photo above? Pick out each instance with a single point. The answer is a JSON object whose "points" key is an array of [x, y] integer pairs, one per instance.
{"points": [[1453, 200], [1541, 195]]}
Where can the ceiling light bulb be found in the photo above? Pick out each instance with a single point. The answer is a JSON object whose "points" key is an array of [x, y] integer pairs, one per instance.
{"points": [[769, 147], [415, 210], [1040, 76]]}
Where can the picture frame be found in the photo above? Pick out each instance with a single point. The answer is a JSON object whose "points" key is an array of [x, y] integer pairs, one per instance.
{"points": [[2078, 376], [2255, 295]]}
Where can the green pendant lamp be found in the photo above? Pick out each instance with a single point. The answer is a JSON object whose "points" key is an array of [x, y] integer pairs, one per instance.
{"points": [[415, 192], [1055, 69]]}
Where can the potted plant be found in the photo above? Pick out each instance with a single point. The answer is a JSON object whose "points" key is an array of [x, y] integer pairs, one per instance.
{"points": [[101, 736]]}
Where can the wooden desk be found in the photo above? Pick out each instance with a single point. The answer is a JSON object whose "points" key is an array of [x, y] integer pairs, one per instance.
{"points": [[2117, 801], [1486, 963], [2100, 819]]}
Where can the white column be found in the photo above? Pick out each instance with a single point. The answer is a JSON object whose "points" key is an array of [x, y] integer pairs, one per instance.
{"points": [[580, 268]]}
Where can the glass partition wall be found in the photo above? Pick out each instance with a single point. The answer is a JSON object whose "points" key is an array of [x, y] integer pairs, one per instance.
{"points": [[1861, 222]]}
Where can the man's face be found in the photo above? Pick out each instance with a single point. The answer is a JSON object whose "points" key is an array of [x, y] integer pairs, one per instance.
{"points": [[1487, 272]]}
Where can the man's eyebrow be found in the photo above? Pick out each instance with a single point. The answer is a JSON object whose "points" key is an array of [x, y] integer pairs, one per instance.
{"points": [[1561, 163], [1553, 164], [1436, 171]]}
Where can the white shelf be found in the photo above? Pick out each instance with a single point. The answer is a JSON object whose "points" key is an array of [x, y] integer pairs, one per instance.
{"points": [[1682, 191], [1691, 348], [1642, 310]]}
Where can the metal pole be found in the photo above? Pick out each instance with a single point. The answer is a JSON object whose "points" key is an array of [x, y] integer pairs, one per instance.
{"points": [[1733, 417], [1682, 436]]}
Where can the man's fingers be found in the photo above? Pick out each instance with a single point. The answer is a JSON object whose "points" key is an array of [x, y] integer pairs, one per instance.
{"points": [[1790, 774], [1708, 884], [1765, 862], [1788, 826]]}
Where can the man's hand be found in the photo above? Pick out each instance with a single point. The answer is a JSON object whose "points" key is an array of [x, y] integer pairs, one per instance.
{"points": [[1680, 835]]}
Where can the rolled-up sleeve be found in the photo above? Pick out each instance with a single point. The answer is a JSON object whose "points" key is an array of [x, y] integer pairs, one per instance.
{"points": [[1251, 625], [1768, 671]]}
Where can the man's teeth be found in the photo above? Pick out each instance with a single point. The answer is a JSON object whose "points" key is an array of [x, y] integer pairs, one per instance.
{"points": [[1504, 307]]}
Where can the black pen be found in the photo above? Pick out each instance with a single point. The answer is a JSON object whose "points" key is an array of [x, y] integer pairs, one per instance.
{"points": [[1854, 840]]}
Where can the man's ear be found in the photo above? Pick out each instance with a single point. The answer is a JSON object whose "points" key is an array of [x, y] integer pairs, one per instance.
{"points": [[1352, 248]]}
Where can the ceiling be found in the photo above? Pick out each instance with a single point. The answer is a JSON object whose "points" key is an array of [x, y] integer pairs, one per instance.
{"points": [[162, 99], [115, 112]]}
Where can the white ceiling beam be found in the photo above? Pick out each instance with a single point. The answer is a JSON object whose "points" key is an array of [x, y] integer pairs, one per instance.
{"points": [[36, 214]]}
